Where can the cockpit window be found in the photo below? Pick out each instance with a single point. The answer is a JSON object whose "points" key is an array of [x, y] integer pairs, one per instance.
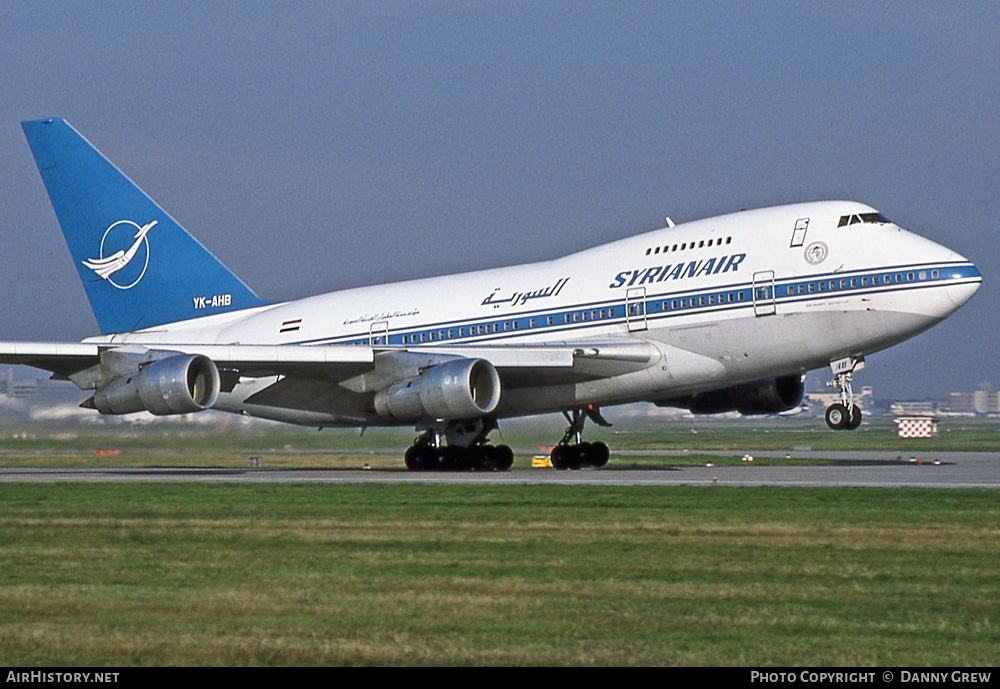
{"points": [[868, 218], [874, 218]]}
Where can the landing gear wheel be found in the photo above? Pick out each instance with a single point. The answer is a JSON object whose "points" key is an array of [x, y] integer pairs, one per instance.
{"points": [[412, 459], [856, 418], [420, 458], [561, 456], [481, 458], [504, 457], [599, 454], [837, 417]]}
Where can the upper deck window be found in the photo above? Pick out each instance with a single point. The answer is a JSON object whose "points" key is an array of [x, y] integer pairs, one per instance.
{"points": [[867, 218]]}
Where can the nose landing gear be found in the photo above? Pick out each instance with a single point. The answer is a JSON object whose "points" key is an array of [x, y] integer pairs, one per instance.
{"points": [[844, 415]]}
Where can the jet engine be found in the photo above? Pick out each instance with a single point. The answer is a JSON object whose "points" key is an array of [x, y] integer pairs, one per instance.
{"points": [[767, 396], [175, 385], [458, 389]]}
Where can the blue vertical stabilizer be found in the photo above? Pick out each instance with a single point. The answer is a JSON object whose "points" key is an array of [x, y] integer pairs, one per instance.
{"points": [[139, 267]]}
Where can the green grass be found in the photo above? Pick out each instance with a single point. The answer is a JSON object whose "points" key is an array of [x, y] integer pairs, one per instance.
{"points": [[189, 574]]}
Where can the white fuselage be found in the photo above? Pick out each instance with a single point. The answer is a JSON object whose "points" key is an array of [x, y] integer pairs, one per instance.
{"points": [[725, 300]]}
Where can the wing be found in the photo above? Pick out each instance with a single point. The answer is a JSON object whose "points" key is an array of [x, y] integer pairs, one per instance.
{"points": [[324, 377]]}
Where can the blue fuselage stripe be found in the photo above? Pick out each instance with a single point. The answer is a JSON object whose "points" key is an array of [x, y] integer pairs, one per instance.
{"points": [[656, 307]]}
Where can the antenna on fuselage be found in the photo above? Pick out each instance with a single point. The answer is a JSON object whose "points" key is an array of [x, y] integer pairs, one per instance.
{"points": [[670, 223]]}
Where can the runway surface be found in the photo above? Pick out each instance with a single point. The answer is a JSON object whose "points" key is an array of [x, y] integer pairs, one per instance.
{"points": [[886, 469]]}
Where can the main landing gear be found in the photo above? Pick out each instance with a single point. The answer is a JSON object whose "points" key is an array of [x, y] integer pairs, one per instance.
{"points": [[466, 449], [580, 454], [844, 415]]}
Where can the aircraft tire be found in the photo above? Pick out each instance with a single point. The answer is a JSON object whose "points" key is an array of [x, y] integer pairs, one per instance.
{"points": [[504, 457], [855, 419], [837, 417], [482, 458], [420, 458], [560, 457], [599, 454], [441, 459], [412, 459]]}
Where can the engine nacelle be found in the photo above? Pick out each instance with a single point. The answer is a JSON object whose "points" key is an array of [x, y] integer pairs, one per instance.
{"points": [[459, 389], [174, 385], [768, 396]]}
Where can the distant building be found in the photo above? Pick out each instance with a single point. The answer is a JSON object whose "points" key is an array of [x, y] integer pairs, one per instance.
{"points": [[980, 402], [926, 408]]}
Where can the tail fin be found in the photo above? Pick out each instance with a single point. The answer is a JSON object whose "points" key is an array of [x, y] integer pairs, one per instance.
{"points": [[139, 267]]}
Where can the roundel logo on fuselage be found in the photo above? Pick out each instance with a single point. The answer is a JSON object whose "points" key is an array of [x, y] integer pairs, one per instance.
{"points": [[124, 254], [816, 253]]}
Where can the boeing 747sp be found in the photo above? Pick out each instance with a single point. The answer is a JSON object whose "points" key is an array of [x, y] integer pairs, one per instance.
{"points": [[715, 315]]}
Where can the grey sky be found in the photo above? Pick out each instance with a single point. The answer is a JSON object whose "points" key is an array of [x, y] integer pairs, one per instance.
{"points": [[317, 146]]}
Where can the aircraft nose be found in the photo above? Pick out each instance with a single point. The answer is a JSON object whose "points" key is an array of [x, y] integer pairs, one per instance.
{"points": [[966, 281], [962, 292]]}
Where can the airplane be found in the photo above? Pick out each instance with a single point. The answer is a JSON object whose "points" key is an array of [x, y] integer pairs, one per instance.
{"points": [[714, 315]]}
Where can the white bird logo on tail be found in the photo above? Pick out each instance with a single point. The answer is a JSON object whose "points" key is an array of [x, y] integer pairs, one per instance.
{"points": [[106, 266]]}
